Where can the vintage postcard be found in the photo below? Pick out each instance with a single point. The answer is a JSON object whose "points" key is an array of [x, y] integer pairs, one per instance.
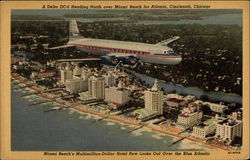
{"points": [[125, 80]]}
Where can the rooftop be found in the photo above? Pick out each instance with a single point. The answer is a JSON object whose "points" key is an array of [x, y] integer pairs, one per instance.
{"points": [[86, 96], [74, 80], [156, 86], [175, 100], [144, 112], [184, 115], [47, 71], [229, 122], [209, 122]]}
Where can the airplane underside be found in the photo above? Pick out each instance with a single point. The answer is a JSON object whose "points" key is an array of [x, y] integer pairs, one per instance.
{"points": [[145, 58]]}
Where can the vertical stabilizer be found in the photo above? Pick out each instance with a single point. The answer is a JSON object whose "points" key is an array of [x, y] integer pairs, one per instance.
{"points": [[74, 31]]}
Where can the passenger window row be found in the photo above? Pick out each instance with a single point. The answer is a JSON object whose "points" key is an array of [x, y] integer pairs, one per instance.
{"points": [[117, 50]]}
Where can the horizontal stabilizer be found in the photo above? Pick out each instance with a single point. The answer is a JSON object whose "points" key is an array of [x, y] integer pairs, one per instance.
{"points": [[166, 42], [63, 46]]}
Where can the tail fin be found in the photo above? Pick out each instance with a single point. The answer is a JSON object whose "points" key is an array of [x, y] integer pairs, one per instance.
{"points": [[74, 31]]}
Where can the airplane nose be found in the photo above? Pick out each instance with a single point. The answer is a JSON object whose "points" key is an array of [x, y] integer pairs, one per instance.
{"points": [[179, 59]]}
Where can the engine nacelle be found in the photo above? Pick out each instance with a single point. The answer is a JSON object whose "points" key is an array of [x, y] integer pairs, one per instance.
{"points": [[109, 60], [130, 60]]}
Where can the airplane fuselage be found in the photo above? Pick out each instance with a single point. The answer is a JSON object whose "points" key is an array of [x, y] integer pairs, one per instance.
{"points": [[149, 53]]}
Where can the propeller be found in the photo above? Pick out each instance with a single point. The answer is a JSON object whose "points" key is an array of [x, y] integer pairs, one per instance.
{"points": [[139, 62]]}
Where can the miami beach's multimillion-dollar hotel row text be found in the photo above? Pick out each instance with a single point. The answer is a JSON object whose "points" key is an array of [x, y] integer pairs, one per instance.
{"points": [[125, 6], [130, 153]]}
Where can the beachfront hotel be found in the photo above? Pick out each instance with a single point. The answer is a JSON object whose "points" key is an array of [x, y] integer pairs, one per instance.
{"points": [[153, 103], [236, 115], [96, 87], [66, 74], [117, 95], [181, 100], [110, 79], [76, 85], [77, 71], [218, 108], [189, 98], [154, 98], [86, 73], [43, 74], [190, 116], [206, 128], [228, 129]]}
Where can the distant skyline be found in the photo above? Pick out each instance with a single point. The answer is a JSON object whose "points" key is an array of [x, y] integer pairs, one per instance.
{"points": [[213, 16]]}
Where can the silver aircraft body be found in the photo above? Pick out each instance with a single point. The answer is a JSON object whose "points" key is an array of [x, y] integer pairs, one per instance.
{"points": [[158, 53]]}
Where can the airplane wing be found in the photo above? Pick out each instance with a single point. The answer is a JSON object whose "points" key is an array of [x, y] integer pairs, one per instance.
{"points": [[166, 42], [63, 46]]}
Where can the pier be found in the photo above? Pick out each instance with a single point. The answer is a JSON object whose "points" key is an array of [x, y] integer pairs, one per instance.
{"points": [[33, 104], [30, 94], [72, 106], [136, 128], [67, 96], [22, 81], [55, 109], [51, 90], [100, 119], [90, 101], [25, 86], [177, 141], [184, 131], [159, 121]]}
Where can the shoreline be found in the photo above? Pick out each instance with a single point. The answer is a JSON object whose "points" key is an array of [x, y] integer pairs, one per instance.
{"points": [[115, 118], [148, 128]]}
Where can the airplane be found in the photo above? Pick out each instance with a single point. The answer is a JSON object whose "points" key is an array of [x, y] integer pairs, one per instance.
{"points": [[158, 53]]}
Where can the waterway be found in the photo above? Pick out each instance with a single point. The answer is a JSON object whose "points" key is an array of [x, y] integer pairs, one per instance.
{"points": [[32, 129], [227, 19], [170, 87], [224, 19]]}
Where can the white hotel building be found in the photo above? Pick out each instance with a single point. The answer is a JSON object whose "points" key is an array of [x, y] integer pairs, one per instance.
{"points": [[153, 104], [77, 71], [229, 129], [218, 108], [66, 74], [76, 85], [86, 73], [96, 87], [208, 127], [154, 99], [189, 117], [110, 79], [43, 74], [117, 95]]}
